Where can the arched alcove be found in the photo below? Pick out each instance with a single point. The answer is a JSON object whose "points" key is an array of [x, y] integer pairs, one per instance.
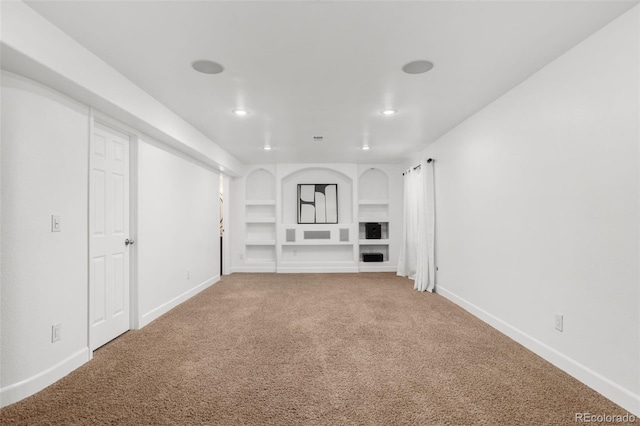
{"points": [[317, 175], [260, 185], [373, 185]]}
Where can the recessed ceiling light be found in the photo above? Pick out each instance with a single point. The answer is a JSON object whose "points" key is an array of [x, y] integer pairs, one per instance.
{"points": [[388, 111], [417, 67], [240, 112], [267, 148], [207, 67], [365, 148]]}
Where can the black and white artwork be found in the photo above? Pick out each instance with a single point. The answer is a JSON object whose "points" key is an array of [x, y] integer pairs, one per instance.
{"points": [[318, 203]]}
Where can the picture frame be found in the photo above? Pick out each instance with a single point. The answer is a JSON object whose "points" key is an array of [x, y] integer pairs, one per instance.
{"points": [[317, 203]]}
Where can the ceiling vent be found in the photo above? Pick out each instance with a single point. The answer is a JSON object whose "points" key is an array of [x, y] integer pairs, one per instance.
{"points": [[318, 138]]}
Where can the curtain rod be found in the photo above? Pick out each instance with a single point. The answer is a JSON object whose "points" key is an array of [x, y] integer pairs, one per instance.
{"points": [[418, 166]]}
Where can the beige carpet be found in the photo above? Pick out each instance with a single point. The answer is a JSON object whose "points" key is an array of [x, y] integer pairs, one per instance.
{"points": [[313, 349]]}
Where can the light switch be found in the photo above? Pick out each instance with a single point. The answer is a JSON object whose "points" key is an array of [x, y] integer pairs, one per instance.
{"points": [[55, 223]]}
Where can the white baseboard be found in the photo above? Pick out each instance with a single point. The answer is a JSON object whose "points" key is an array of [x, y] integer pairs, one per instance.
{"points": [[377, 268], [17, 391], [166, 307], [314, 269], [265, 269], [317, 269], [616, 393]]}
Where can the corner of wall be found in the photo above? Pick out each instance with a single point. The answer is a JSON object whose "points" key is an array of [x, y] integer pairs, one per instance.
{"points": [[158, 311], [31, 385]]}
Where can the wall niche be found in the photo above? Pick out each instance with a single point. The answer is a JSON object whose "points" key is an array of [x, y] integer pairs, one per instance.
{"points": [[260, 185], [316, 175]]}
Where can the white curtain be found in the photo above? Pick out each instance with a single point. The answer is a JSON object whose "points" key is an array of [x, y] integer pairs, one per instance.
{"points": [[417, 259]]}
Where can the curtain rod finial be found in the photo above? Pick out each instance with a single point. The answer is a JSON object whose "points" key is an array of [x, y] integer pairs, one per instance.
{"points": [[429, 160]]}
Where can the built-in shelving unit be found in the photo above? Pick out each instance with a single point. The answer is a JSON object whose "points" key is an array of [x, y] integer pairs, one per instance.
{"points": [[270, 239], [373, 207], [260, 220]]}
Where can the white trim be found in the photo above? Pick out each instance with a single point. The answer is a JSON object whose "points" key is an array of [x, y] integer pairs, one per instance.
{"points": [[166, 307], [265, 269], [616, 393], [27, 387], [377, 268], [134, 290], [226, 238], [92, 121], [637, 12], [316, 269]]}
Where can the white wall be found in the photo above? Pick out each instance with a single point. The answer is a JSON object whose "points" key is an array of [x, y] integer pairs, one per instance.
{"points": [[44, 274], [537, 204], [178, 231]]}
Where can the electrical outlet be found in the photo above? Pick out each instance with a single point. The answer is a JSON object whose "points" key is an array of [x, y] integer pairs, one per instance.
{"points": [[559, 322], [56, 332], [55, 223], [241, 256]]}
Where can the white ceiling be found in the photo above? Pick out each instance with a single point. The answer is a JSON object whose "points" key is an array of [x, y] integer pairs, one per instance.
{"points": [[309, 68]]}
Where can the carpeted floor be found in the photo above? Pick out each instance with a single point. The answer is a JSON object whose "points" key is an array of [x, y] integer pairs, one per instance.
{"points": [[313, 349]]}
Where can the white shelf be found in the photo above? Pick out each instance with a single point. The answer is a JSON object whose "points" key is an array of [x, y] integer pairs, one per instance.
{"points": [[373, 219], [260, 202], [373, 202], [317, 262], [261, 220], [260, 243], [318, 243], [374, 242]]}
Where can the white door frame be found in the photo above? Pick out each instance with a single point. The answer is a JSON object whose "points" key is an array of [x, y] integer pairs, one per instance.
{"points": [[134, 319], [226, 241]]}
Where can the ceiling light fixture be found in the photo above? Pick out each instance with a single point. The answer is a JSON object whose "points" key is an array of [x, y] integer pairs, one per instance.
{"points": [[240, 112], [365, 142], [388, 111], [267, 148], [417, 67], [207, 67]]}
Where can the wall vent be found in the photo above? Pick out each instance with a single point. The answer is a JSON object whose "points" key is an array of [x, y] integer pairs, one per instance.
{"points": [[317, 235]]}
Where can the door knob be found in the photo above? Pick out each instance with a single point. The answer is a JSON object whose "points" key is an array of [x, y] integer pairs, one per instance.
{"points": [[128, 241]]}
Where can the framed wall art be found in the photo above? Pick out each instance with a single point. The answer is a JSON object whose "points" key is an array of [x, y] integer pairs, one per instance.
{"points": [[318, 203]]}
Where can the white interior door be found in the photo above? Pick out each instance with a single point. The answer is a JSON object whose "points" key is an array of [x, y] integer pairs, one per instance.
{"points": [[109, 235]]}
